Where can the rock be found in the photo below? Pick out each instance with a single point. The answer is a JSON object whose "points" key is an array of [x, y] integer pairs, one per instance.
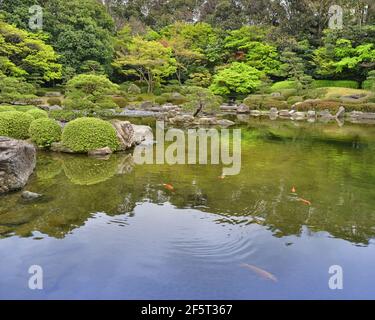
{"points": [[274, 111], [299, 115], [147, 105], [225, 123], [243, 109], [17, 163], [255, 113], [228, 108], [206, 121], [276, 95], [284, 113], [59, 147], [143, 134], [340, 113], [30, 196], [325, 114], [125, 134], [182, 119], [311, 114], [53, 94], [100, 152], [50, 108], [243, 117]]}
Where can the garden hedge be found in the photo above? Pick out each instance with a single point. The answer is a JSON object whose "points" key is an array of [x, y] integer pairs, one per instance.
{"points": [[44, 132], [85, 134], [15, 124]]}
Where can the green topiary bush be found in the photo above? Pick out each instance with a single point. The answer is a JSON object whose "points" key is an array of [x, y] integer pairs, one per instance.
{"points": [[44, 132], [37, 113], [5, 108], [85, 134], [15, 124], [54, 102], [121, 102], [287, 84]]}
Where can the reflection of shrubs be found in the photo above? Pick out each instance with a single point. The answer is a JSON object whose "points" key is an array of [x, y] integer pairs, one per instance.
{"points": [[89, 171], [48, 167], [85, 134], [45, 131], [54, 102], [15, 124], [37, 113]]}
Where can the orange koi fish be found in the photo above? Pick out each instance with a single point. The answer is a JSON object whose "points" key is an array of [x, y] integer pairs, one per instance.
{"points": [[169, 187], [304, 201], [260, 272]]}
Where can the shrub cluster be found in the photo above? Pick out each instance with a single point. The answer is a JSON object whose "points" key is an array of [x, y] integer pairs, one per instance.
{"points": [[85, 134], [44, 132], [37, 113], [15, 124]]}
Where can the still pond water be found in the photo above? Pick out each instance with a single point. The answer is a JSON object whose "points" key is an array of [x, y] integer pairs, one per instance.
{"points": [[110, 229]]}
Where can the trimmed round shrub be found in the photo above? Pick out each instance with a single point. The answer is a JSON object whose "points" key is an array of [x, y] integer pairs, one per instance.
{"points": [[287, 84], [85, 134], [37, 113], [15, 124], [121, 102], [6, 108], [54, 102], [44, 132]]}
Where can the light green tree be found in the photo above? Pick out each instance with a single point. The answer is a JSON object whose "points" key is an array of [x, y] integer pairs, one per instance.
{"points": [[149, 60], [237, 78]]}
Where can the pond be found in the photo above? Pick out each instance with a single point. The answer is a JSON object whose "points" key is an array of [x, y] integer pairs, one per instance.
{"points": [[109, 229]]}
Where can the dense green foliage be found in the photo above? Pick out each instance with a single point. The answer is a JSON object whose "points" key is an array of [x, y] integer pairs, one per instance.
{"points": [[234, 48], [44, 132], [85, 134], [37, 113], [15, 124], [88, 91], [13, 89]]}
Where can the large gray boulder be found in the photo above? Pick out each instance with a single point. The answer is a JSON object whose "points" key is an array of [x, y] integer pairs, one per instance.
{"points": [[125, 134], [17, 163], [143, 135]]}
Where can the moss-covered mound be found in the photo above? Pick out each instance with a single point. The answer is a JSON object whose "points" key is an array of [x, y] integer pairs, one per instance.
{"points": [[15, 124], [85, 134], [45, 131]]}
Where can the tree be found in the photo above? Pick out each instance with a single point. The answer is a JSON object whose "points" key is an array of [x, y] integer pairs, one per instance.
{"points": [[90, 92], [80, 30], [293, 69], [238, 78], [344, 59], [149, 60], [26, 55], [201, 99], [182, 48]]}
